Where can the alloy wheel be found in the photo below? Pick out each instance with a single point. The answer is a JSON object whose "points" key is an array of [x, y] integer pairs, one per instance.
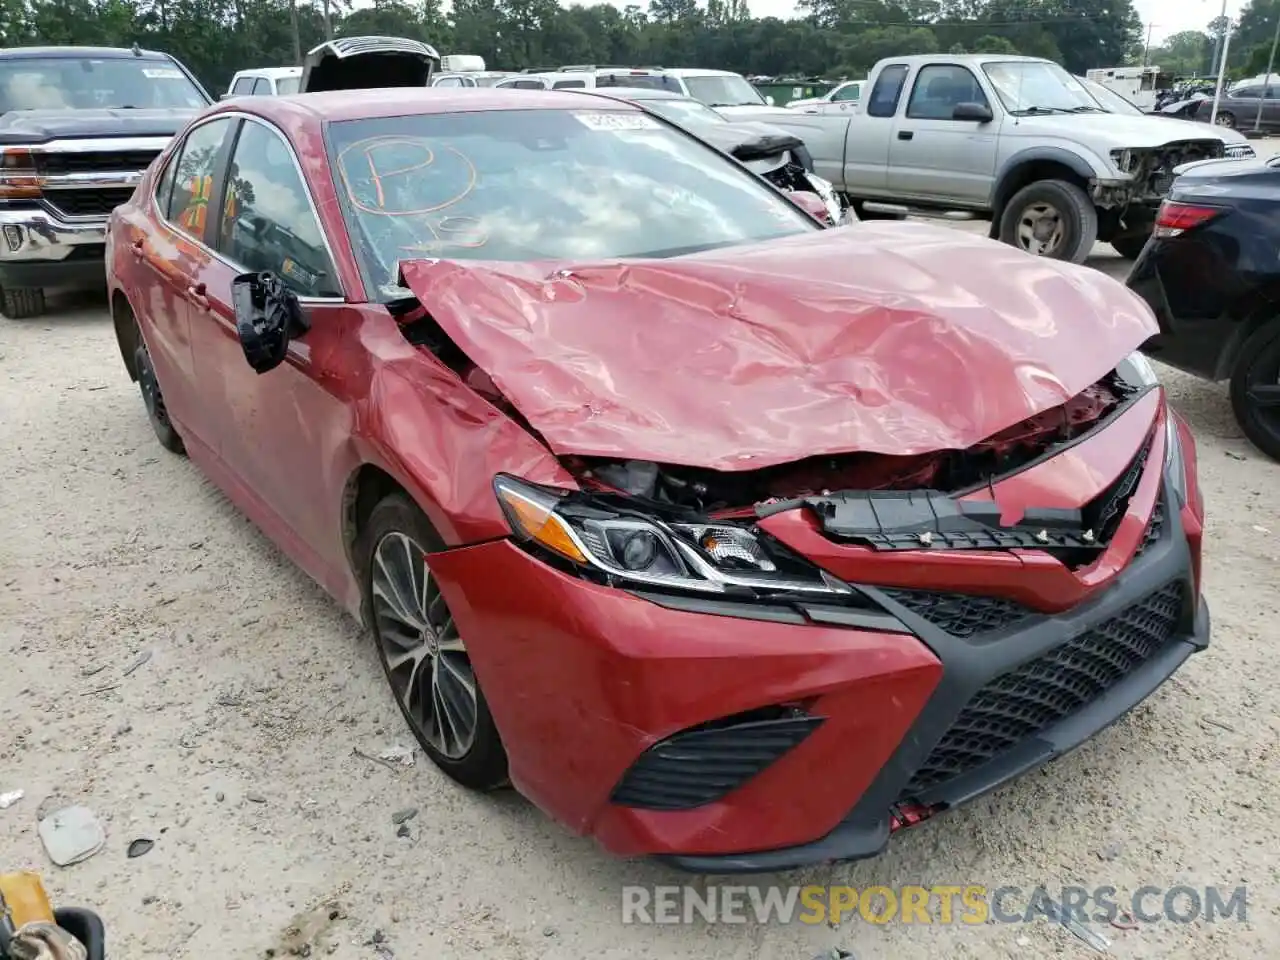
{"points": [[1262, 388], [1041, 229], [421, 648]]}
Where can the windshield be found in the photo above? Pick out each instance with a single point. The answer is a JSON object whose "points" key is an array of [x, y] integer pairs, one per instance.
{"points": [[287, 85], [684, 111], [727, 91], [1036, 86], [75, 83], [520, 185], [1110, 101]]}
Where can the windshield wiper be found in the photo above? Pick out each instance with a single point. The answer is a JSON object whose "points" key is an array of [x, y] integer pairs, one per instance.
{"points": [[1030, 110]]}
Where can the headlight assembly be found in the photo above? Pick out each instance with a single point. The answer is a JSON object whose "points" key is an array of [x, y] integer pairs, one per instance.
{"points": [[639, 550]]}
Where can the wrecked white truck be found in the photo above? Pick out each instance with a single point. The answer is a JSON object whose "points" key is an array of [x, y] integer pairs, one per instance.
{"points": [[1016, 140]]}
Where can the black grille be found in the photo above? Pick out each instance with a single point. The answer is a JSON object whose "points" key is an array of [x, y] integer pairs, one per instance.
{"points": [[1025, 701], [1107, 510], [1155, 527], [959, 614], [112, 161], [88, 202], [700, 765]]}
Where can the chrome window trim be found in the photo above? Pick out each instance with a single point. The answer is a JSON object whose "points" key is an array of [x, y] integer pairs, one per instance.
{"points": [[306, 188]]}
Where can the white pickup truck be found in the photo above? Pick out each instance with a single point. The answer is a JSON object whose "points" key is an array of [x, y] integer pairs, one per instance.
{"points": [[1016, 140]]}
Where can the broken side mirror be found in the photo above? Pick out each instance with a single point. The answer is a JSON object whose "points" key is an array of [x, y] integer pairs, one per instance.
{"points": [[267, 314], [976, 112]]}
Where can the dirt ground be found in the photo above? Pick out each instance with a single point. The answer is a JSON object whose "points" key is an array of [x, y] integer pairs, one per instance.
{"points": [[233, 745]]}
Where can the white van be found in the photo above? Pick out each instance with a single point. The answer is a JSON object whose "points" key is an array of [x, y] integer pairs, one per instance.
{"points": [[264, 82]]}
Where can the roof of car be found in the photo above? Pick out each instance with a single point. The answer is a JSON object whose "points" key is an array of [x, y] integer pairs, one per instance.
{"points": [[699, 72], [639, 93], [404, 101], [270, 72], [70, 53]]}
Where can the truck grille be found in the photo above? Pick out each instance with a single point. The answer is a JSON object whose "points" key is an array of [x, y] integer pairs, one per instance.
{"points": [[112, 161], [1029, 699], [87, 201]]}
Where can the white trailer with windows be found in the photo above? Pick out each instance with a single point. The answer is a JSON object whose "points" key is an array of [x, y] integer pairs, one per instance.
{"points": [[1138, 85]]}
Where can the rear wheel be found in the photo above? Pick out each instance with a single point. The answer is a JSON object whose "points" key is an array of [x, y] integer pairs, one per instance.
{"points": [[1051, 218], [153, 399], [423, 655], [22, 303], [1255, 389], [1225, 119]]}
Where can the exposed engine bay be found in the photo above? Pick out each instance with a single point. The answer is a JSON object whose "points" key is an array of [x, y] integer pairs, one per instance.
{"points": [[1152, 170], [724, 494]]}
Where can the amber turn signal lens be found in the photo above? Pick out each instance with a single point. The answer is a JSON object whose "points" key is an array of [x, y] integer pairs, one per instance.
{"points": [[533, 519]]}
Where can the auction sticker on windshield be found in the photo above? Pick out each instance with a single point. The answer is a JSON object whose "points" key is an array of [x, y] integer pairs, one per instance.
{"points": [[617, 121], [162, 73]]}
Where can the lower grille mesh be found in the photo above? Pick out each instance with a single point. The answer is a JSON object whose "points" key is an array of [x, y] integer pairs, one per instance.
{"points": [[702, 764], [959, 614], [1029, 699]]}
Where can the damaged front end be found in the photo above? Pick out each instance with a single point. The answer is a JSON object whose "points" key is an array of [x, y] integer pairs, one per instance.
{"points": [[661, 529], [1149, 171]]}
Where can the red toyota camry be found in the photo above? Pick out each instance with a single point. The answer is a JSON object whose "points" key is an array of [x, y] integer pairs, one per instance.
{"points": [[725, 537]]}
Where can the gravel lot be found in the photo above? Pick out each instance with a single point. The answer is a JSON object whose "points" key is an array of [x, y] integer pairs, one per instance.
{"points": [[232, 745]]}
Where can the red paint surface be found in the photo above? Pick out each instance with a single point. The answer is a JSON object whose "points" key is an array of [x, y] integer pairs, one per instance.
{"points": [[582, 678], [925, 339]]}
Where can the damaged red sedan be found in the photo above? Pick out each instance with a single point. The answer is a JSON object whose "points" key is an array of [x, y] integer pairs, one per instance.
{"points": [[725, 537]]}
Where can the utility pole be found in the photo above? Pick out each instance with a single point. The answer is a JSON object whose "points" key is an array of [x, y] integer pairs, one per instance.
{"points": [[297, 36], [1146, 50], [328, 23], [1271, 62], [1222, 64]]}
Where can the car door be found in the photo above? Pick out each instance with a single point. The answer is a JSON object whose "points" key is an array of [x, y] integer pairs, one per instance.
{"points": [[933, 156], [274, 426], [171, 255]]}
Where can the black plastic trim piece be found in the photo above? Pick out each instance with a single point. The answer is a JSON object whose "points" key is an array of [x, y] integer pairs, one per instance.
{"points": [[722, 608]]}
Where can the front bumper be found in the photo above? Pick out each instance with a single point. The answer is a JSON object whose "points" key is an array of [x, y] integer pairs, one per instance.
{"points": [[39, 249], [925, 699]]}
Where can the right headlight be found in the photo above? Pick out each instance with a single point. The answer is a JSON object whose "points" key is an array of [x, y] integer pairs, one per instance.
{"points": [[626, 545]]}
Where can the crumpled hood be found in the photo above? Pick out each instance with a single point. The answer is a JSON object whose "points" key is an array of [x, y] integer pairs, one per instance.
{"points": [[894, 338], [38, 126]]}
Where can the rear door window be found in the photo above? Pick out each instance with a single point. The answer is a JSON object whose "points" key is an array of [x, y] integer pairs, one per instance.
{"points": [[885, 95]]}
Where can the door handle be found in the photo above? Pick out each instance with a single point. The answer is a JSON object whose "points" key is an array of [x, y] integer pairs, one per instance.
{"points": [[139, 247], [196, 294], [905, 134]]}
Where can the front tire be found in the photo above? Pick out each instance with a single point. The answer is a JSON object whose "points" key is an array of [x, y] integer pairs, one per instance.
{"points": [[423, 655], [1051, 218], [1255, 390], [22, 303]]}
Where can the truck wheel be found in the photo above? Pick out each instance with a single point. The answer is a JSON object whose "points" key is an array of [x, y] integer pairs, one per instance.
{"points": [[20, 303], [1051, 218], [1130, 245], [1255, 389]]}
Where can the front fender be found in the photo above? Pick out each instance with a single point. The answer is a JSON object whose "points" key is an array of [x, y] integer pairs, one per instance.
{"points": [[1085, 163]]}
